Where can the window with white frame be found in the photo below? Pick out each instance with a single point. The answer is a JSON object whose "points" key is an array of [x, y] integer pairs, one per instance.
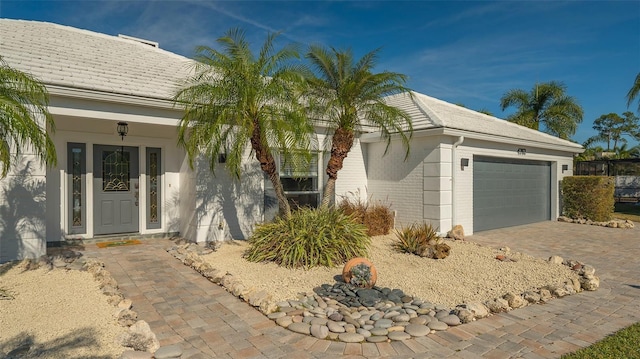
{"points": [[301, 185]]}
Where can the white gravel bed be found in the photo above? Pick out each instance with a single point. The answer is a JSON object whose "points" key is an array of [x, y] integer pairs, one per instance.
{"points": [[471, 273], [61, 313]]}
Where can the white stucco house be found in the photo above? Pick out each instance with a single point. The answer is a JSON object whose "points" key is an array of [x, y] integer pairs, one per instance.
{"points": [[464, 167]]}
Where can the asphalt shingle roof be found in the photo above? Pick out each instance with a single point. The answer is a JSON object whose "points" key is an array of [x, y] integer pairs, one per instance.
{"points": [[70, 57], [75, 58], [429, 113]]}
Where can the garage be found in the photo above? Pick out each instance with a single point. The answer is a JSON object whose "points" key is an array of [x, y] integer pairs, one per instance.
{"points": [[510, 192]]}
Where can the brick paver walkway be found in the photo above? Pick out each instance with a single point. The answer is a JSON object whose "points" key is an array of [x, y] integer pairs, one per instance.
{"points": [[184, 308]]}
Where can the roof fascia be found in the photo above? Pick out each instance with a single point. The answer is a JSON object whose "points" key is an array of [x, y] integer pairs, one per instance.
{"points": [[513, 141], [438, 131], [109, 97]]}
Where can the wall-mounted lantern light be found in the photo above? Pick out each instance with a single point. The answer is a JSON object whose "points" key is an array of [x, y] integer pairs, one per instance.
{"points": [[123, 129], [464, 162], [565, 168], [522, 151]]}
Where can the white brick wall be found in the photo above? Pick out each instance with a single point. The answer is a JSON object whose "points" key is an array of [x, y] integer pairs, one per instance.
{"points": [[411, 187], [428, 172]]}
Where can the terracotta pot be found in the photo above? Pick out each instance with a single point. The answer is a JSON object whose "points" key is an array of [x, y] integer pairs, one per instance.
{"points": [[346, 270]]}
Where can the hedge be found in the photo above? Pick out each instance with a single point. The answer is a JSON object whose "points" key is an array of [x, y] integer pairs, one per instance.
{"points": [[588, 197]]}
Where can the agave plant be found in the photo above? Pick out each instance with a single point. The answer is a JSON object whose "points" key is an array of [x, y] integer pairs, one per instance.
{"points": [[422, 240]]}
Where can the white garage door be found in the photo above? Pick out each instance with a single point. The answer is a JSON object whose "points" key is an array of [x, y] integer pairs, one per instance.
{"points": [[508, 192]]}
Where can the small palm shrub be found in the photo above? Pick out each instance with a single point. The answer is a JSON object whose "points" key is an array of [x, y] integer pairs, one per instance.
{"points": [[377, 217], [422, 240], [311, 238]]}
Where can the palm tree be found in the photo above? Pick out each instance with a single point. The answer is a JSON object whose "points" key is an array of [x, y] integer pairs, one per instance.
{"points": [[634, 91], [347, 94], [24, 118], [235, 97], [546, 104], [623, 152]]}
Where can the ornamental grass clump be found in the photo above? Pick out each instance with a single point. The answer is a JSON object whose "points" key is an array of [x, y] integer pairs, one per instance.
{"points": [[310, 238], [421, 239], [376, 216]]}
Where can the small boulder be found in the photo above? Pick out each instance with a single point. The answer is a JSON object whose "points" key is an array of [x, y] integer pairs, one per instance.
{"points": [[590, 283], [479, 310], [456, 233], [140, 338], [127, 317], [515, 300], [556, 260], [497, 305]]}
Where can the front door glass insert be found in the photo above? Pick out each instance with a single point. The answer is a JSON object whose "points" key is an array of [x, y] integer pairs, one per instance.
{"points": [[116, 173]]}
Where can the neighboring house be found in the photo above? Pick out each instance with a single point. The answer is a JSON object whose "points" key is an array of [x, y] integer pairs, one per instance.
{"points": [[464, 167]]}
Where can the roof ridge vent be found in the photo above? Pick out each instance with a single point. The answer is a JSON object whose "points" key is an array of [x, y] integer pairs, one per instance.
{"points": [[142, 41]]}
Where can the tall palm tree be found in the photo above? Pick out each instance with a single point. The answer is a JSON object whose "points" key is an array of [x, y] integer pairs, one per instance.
{"points": [[236, 97], [546, 104], [24, 118], [634, 91], [347, 95]]}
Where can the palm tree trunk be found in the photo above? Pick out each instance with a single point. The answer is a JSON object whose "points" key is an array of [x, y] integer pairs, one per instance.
{"points": [[268, 166], [340, 147]]}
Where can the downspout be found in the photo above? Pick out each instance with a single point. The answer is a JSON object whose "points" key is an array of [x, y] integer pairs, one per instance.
{"points": [[453, 179]]}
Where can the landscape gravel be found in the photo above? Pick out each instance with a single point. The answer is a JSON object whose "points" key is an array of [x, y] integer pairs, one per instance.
{"points": [[55, 314], [471, 273]]}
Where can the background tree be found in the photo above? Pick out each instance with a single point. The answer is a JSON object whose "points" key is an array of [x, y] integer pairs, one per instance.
{"points": [[235, 97], [347, 94], [612, 127], [546, 104], [24, 118], [634, 91]]}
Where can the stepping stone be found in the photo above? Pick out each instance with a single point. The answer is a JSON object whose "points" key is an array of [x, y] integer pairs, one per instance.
{"points": [[351, 337], [401, 318], [302, 328], [396, 328], [451, 320], [437, 325], [383, 323], [335, 327], [319, 331], [168, 352], [417, 330], [320, 321], [379, 331], [391, 314], [398, 336], [284, 321], [377, 339]]}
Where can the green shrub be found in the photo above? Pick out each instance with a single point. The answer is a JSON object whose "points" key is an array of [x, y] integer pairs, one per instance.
{"points": [[377, 217], [588, 197], [416, 239], [312, 237]]}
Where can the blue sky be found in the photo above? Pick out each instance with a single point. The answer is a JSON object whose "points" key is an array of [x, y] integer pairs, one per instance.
{"points": [[468, 52]]}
